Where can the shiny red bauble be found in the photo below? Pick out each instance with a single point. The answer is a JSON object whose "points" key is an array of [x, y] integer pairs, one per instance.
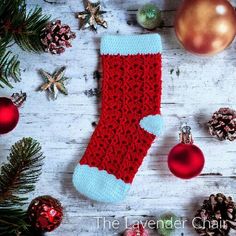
{"points": [[9, 115], [186, 160]]}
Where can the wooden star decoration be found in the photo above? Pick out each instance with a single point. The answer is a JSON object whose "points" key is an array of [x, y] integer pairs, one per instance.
{"points": [[54, 83], [92, 16]]}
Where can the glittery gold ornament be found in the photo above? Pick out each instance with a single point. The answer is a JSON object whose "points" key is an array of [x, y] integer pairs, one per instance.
{"points": [[92, 16]]}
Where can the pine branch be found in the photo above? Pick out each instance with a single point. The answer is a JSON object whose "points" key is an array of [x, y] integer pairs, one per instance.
{"points": [[16, 179], [21, 173], [9, 66], [18, 26], [14, 222], [33, 24], [24, 28]]}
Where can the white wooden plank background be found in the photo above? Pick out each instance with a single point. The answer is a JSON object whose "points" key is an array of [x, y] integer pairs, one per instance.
{"points": [[63, 127]]}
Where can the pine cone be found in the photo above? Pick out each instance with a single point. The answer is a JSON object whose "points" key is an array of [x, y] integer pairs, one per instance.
{"points": [[216, 216], [223, 124], [56, 37]]}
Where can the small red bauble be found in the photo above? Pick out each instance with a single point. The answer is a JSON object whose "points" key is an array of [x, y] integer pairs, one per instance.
{"points": [[45, 213], [9, 115], [186, 160], [136, 230]]}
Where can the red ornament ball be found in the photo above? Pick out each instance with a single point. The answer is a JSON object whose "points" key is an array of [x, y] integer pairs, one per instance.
{"points": [[186, 161], [9, 115], [45, 213], [136, 230]]}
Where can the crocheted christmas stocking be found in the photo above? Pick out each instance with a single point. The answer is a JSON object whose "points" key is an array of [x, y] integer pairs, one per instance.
{"points": [[130, 117]]}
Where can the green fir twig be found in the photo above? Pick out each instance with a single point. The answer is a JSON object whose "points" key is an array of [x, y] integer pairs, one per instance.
{"points": [[17, 177], [17, 25], [9, 66], [22, 171]]}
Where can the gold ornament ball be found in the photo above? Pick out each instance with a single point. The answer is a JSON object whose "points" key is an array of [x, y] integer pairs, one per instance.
{"points": [[205, 27]]}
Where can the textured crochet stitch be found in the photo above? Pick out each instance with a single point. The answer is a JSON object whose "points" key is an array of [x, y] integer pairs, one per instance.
{"points": [[131, 90]]}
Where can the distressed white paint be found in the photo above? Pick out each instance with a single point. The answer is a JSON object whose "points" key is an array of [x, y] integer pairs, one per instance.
{"points": [[64, 126]]}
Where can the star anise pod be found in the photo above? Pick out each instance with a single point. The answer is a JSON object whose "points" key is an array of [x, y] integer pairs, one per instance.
{"points": [[54, 83]]}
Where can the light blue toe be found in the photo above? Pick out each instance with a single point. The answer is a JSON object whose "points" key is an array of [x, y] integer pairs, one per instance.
{"points": [[153, 124], [98, 185]]}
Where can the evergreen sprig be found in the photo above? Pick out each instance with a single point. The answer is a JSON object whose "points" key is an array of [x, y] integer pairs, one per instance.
{"points": [[9, 66], [14, 222], [17, 25], [17, 177], [22, 171], [22, 27]]}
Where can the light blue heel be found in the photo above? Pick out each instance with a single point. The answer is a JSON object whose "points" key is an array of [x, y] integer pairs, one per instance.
{"points": [[153, 124]]}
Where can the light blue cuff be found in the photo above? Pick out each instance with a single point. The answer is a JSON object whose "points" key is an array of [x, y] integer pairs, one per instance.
{"points": [[131, 44], [98, 185]]}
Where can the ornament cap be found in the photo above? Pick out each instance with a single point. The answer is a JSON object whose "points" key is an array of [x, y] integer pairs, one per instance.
{"points": [[185, 135], [18, 98]]}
